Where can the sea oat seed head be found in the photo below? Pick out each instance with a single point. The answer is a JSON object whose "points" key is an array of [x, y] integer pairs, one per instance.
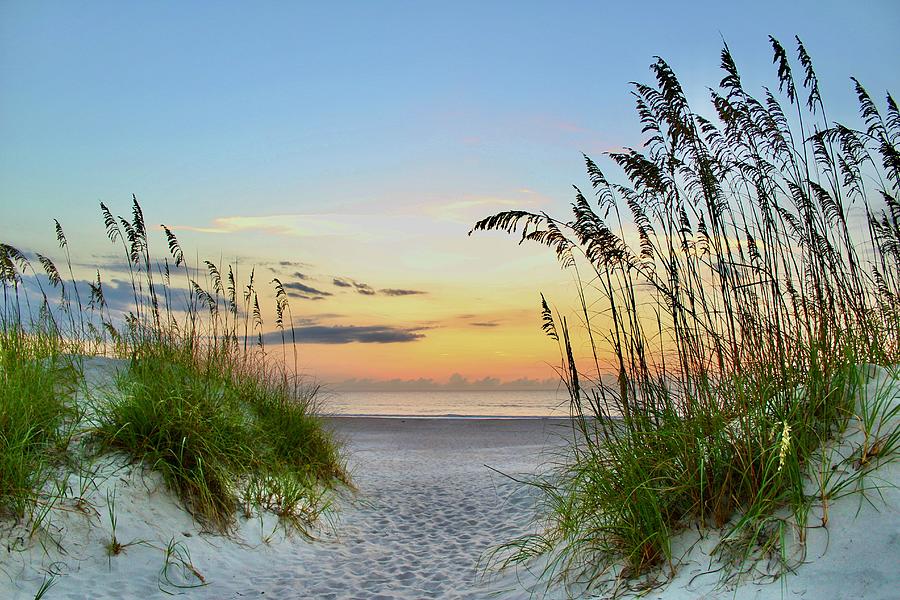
{"points": [[785, 444]]}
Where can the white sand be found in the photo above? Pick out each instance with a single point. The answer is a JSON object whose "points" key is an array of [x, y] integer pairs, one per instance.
{"points": [[856, 555], [426, 510]]}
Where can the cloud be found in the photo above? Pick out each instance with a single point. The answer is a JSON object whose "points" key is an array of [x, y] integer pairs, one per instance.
{"points": [[302, 290], [399, 292], [367, 290], [368, 226], [485, 324], [282, 265], [118, 296], [111, 263], [364, 289], [346, 334], [456, 382], [368, 385], [345, 282], [460, 382], [464, 211], [300, 225]]}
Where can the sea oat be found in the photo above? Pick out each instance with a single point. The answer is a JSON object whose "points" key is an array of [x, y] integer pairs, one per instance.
{"points": [[785, 444]]}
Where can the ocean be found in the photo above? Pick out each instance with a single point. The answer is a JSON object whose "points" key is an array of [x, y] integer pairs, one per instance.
{"points": [[445, 403]]}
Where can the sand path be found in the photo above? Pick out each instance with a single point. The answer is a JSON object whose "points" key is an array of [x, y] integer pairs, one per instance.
{"points": [[426, 510]]}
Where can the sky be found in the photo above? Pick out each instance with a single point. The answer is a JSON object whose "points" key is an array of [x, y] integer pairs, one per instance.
{"points": [[348, 149]]}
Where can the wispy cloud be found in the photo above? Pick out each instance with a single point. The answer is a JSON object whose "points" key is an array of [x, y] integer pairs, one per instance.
{"points": [[299, 225], [485, 324], [358, 226], [463, 211]]}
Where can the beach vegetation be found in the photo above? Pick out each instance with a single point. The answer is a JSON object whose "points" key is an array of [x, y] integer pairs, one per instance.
{"points": [[200, 400], [734, 290], [178, 571], [46, 585], [36, 406]]}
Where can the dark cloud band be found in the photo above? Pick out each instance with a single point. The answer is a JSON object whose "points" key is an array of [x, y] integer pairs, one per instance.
{"points": [[337, 334], [398, 292], [303, 290]]}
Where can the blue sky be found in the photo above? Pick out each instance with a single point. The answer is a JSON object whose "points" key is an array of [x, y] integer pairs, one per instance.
{"points": [[363, 139]]}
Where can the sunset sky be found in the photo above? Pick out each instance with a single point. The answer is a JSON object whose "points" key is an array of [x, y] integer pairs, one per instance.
{"points": [[349, 149]]}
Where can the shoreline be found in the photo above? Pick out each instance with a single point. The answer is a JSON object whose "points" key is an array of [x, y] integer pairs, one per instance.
{"points": [[447, 417]]}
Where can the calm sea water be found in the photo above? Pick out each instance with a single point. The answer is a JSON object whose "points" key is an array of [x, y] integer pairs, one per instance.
{"points": [[534, 403]]}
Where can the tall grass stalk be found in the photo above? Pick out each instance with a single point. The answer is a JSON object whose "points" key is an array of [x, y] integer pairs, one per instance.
{"points": [[744, 271]]}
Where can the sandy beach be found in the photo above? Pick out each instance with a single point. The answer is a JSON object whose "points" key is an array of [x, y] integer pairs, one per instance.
{"points": [[429, 505], [430, 501]]}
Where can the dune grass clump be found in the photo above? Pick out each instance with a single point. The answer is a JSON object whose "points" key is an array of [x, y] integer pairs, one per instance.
{"points": [[34, 412], [730, 291], [179, 419], [201, 402], [221, 435]]}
